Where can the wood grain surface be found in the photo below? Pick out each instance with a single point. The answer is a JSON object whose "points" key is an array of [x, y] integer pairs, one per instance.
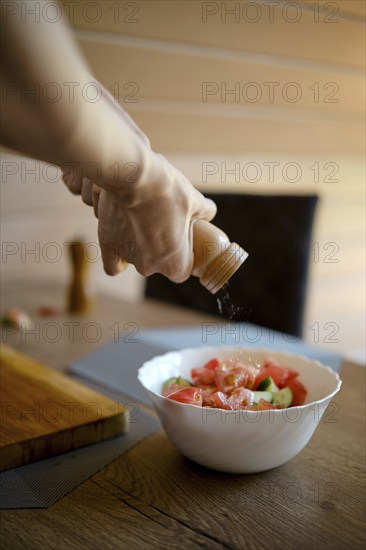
{"points": [[45, 413], [151, 497]]}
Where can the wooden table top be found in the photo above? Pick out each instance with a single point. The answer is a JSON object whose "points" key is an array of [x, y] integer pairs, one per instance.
{"points": [[152, 497]]}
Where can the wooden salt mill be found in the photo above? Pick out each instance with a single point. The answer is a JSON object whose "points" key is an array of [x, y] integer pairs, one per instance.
{"points": [[78, 299]]}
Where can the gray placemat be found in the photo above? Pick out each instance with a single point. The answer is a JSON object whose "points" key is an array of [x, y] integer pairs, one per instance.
{"points": [[115, 365], [43, 483]]}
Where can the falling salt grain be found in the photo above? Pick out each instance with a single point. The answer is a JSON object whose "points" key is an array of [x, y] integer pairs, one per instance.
{"points": [[225, 306]]}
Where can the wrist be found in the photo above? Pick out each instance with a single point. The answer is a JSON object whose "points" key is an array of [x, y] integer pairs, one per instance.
{"points": [[142, 180]]}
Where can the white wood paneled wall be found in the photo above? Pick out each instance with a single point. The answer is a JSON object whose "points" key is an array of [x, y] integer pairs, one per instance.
{"points": [[219, 86]]}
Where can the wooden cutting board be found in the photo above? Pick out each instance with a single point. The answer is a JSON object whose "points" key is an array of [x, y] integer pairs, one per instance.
{"points": [[44, 413]]}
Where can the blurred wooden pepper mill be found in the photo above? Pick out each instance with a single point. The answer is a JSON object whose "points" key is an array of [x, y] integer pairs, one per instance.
{"points": [[79, 300]]}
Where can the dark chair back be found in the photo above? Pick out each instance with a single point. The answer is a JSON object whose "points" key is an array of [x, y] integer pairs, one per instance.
{"points": [[269, 289]]}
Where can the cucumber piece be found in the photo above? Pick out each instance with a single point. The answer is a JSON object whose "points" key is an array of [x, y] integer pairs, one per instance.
{"points": [[282, 397], [268, 385], [267, 395], [168, 383], [180, 381]]}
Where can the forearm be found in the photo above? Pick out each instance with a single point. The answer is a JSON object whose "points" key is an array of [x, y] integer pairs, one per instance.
{"points": [[145, 203], [47, 110]]}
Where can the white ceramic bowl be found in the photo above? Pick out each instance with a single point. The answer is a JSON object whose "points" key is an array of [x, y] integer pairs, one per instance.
{"points": [[238, 441]]}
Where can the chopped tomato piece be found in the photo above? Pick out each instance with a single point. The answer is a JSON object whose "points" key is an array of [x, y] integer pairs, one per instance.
{"points": [[174, 383], [205, 375], [223, 380], [206, 396], [212, 364], [291, 375], [172, 389], [261, 406], [280, 375], [299, 392], [240, 397], [229, 377], [220, 400], [190, 396]]}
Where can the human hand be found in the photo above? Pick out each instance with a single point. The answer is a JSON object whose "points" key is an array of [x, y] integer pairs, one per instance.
{"points": [[155, 233], [146, 221]]}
